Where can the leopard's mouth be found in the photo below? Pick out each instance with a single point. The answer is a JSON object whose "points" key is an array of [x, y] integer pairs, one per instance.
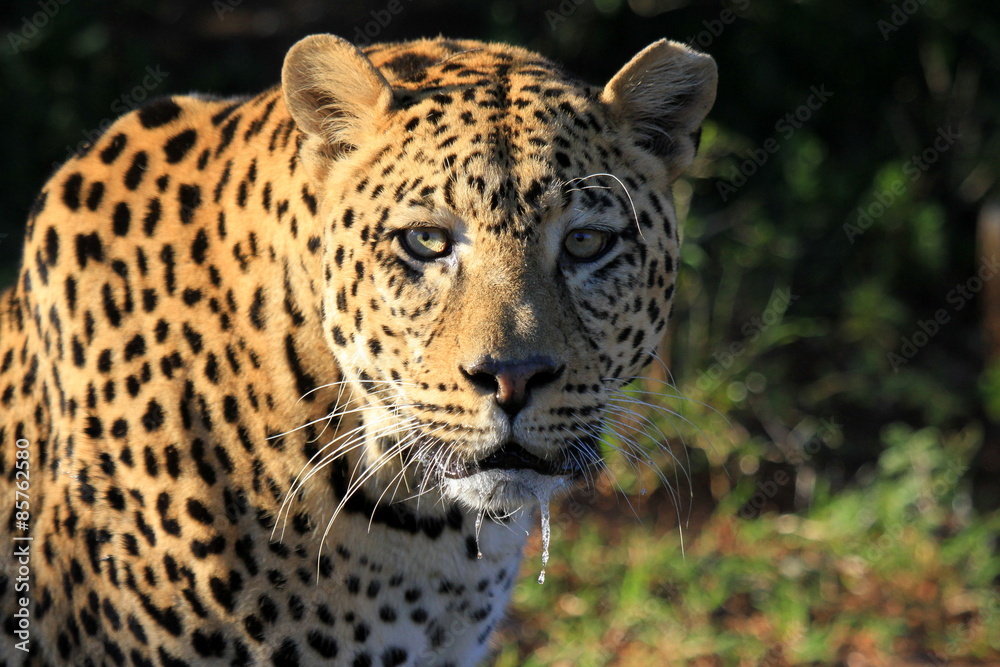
{"points": [[512, 456]]}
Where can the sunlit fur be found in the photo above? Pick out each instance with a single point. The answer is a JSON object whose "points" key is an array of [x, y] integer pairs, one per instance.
{"points": [[261, 430]]}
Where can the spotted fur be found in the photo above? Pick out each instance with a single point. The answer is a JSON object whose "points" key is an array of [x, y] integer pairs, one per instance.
{"points": [[220, 330]]}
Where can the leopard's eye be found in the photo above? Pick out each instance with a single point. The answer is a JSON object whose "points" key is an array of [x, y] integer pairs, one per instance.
{"points": [[586, 245], [426, 243]]}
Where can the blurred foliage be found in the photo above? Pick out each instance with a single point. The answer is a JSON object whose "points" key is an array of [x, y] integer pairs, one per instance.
{"points": [[898, 568], [830, 217]]}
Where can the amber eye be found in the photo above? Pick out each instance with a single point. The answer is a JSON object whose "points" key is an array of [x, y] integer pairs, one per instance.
{"points": [[426, 243], [586, 245]]}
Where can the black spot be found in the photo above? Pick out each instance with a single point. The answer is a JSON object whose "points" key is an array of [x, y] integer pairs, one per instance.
{"points": [[373, 588], [104, 361], [179, 145], [190, 199], [199, 512], [94, 428], [323, 644], [137, 170], [114, 148], [209, 645], [162, 330], [254, 628], [95, 196], [410, 66], [230, 409], [338, 337], [212, 369], [135, 347], [88, 246], [471, 547], [199, 246], [111, 308], [393, 656], [287, 655], [304, 382], [222, 115], [136, 629], [153, 419], [227, 134], [268, 610], [309, 199], [122, 219], [51, 246], [257, 309], [159, 112], [71, 191], [152, 216], [149, 302], [193, 338], [224, 593], [191, 296]]}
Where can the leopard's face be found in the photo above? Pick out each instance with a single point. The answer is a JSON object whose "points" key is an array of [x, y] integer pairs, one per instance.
{"points": [[500, 253]]}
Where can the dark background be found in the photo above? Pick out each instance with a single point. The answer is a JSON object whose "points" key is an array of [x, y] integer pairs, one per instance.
{"points": [[897, 73]]}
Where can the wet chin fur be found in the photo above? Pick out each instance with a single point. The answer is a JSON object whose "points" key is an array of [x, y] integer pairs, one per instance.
{"points": [[504, 491]]}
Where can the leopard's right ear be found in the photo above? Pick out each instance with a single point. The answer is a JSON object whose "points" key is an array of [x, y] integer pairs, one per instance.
{"points": [[333, 92]]}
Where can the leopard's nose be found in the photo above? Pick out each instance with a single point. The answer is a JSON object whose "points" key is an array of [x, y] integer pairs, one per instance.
{"points": [[511, 382]]}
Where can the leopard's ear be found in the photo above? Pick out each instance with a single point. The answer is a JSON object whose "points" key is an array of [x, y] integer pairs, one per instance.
{"points": [[333, 92], [664, 94]]}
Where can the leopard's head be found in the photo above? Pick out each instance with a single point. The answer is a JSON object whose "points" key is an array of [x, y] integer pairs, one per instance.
{"points": [[500, 248]]}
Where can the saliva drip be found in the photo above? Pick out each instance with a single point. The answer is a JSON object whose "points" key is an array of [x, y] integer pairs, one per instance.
{"points": [[479, 525], [546, 534]]}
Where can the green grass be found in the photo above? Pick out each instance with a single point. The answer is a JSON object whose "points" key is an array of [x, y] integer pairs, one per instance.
{"points": [[895, 568]]}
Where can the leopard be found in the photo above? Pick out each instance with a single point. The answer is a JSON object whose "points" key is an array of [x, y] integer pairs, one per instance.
{"points": [[286, 379]]}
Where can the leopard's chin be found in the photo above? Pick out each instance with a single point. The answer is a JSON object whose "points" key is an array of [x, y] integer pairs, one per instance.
{"points": [[504, 490], [509, 478], [511, 457]]}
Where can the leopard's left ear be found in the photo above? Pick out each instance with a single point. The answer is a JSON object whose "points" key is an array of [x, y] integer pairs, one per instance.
{"points": [[335, 95], [664, 93]]}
